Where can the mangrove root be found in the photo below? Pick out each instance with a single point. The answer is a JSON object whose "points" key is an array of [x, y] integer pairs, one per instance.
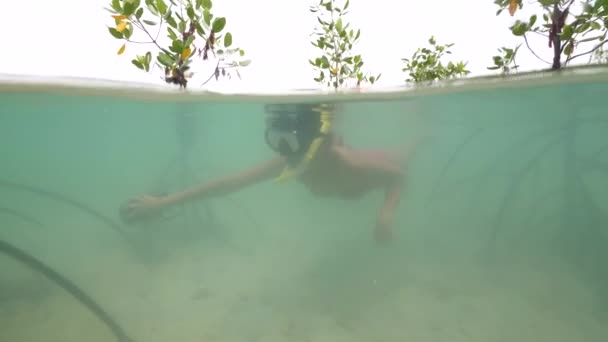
{"points": [[68, 286], [513, 188], [72, 202], [21, 216]]}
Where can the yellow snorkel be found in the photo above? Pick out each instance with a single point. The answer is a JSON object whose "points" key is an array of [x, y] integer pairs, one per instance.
{"points": [[291, 172]]}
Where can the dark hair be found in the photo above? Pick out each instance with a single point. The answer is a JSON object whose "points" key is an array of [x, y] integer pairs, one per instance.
{"points": [[307, 115]]}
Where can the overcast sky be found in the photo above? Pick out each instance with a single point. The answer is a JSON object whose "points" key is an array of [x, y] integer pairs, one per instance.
{"points": [[70, 38]]}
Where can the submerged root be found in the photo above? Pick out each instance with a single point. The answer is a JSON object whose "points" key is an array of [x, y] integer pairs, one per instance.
{"points": [[67, 285], [593, 164], [71, 202], [513, 188], [534, 209], [501, 158], [450, 161], [21, 216]]}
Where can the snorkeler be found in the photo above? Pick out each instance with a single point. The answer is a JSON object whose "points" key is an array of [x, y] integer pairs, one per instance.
{"points": [[311, 152]]}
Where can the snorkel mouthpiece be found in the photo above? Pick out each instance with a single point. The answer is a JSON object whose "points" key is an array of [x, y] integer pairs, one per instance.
{"points": [[284, 148]]}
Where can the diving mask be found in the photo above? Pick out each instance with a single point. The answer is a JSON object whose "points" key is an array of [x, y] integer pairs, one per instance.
{"points": [[283, 134], [290, 129]]}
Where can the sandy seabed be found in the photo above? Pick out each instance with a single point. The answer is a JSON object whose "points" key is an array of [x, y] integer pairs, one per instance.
{"points": [[198, 295]]}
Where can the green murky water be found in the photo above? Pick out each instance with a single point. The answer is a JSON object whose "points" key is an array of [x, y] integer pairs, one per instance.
{"points": [[501, 235]]}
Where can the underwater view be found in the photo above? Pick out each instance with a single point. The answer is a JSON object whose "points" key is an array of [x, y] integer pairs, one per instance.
{"points": [[499, 233]]}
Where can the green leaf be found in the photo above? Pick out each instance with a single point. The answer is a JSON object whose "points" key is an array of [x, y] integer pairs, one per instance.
{"points": [[582, 28], [114, 32], [199, 29], [116, 5], [245, 63], [207, 16], [207, 4], [177, 46], [595, 25], [149, 22], [198, 4], [162, 7], [324, 62], [138, 64], [148, 60], [129, 7], [228, 39], [165, 59], [519, 28], [567, 32], [171, 22], [139, 13], [189, 41], [346, 5], [172, 34], [218, 24], [190, 12], [241, 52], [151, 4], [128, 32], [532, 20], [144, 60], [568, 49]]}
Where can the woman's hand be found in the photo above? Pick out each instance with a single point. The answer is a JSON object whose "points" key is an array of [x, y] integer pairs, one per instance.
{"points": [[142, 207]]}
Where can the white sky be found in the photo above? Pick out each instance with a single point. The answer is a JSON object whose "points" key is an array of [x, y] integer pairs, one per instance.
{"points": [[70, 38]]}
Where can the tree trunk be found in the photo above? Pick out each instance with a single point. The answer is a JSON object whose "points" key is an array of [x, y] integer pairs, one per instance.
{"points": [[557, 43]]}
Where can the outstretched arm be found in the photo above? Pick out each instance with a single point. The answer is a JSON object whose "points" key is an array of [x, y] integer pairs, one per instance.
{"points": [[148, 206], [228, 184]]}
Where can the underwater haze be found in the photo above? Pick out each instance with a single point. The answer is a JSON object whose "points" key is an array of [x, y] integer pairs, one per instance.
{"points": [[501, 234]]}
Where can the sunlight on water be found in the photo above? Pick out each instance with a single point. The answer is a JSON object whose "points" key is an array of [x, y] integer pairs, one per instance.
{"points": [[500, 235]]}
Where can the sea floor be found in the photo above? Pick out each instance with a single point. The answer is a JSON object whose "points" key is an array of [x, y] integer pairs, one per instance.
{"points": [[201, 294]]}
